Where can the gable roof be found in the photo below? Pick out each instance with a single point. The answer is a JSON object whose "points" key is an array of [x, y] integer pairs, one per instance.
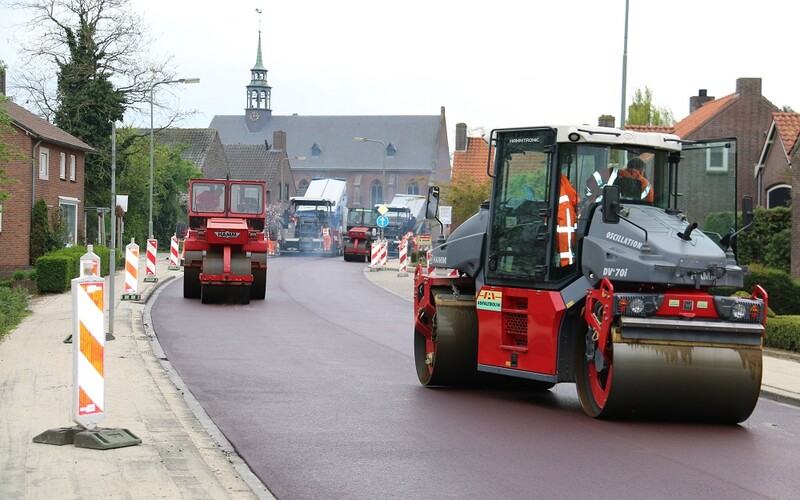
{"points": [[199, 144], [788, 127], [473, 161], [701, 115], [416, 139], [42, 129], [692, 122], [252, 162]]}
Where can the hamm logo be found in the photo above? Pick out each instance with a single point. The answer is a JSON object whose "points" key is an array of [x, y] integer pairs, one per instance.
{"points": [[226, 234]]}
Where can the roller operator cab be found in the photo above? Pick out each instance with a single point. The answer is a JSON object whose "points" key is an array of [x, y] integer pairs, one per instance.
{"points": [[592, 263], [225, 250]]}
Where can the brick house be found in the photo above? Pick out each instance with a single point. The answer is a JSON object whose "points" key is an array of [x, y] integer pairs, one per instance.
{"points": [[777, 172], [47, 163], [471, 155]]}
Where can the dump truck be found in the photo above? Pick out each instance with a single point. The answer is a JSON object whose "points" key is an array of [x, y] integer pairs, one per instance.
{"points": [[578, 269], [318, 218], [362, 230], [225, 250], [400, 222]]}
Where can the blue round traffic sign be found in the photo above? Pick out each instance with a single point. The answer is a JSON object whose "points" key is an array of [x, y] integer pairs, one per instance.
{"points": [[382, 221]]}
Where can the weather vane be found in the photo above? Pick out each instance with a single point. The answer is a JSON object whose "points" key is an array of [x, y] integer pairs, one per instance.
{"points": [[258, 11]]}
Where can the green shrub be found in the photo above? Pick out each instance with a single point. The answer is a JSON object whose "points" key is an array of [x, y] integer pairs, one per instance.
{"points": [[32, 274], [54, 272], [783, 332], [18, 275], [778, 252], [752, 246], [783, 291]]}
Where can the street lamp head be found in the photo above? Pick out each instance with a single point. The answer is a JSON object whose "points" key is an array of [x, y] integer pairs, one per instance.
{"points": [[359, 139], [189, 80]]}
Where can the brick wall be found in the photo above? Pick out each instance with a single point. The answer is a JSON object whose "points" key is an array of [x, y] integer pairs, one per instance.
{"points": [[747, 118], [15, 235]]}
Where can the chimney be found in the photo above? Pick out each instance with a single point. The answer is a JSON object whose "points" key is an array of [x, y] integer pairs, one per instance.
{"points": [[279, 140], [461, 136], [748, 86], [606, 121], [701, 98]]}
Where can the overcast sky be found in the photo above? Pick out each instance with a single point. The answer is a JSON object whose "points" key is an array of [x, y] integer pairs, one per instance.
{"points": [[490, 64]]}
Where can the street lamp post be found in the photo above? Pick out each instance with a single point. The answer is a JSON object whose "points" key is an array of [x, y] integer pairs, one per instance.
{"points": [[152, 87], [383, 169]]}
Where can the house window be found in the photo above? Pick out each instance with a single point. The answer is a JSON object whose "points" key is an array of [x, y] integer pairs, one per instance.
{"points": [[412, 188], [717, 158], [316, 150], [376, 192], [390, 150], [779, 196], [69, 219], [72, 168], [302, 187], [62, 166], [44, 163]]}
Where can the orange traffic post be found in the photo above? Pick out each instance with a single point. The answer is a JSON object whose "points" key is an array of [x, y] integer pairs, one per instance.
{"points": [[375, 251], [88, 373]]}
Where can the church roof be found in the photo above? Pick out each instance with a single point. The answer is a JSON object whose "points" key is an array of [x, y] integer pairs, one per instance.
{"points": [[415, 138]]}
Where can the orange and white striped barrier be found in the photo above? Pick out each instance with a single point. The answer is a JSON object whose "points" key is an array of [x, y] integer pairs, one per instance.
{"points": [[384, 253], [174, 263], [150, 267], [88, 327], [375, 261], [402, 270], [131, 290]]}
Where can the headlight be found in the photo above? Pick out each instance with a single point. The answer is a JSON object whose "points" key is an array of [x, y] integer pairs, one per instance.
{"points": [[738, 311], [637, 305]]}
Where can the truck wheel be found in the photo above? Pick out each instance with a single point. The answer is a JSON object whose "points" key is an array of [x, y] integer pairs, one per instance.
{"points": [[450, 356], [593, 383]]}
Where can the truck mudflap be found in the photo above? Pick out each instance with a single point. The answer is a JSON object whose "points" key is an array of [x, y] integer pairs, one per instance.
{"points": [[667, 368]]}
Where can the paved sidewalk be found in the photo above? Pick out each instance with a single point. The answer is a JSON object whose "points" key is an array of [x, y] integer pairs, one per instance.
{"points": [[177, 458]]}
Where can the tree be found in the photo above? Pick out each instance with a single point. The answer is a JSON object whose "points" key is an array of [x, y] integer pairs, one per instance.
{"points": [[171, 174], [96, 48], [642, 111], [465, 194], [5, 152]]}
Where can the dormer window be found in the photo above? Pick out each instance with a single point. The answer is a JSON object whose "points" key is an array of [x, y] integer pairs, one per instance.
{"points": [[316, 150], [390, 150]]}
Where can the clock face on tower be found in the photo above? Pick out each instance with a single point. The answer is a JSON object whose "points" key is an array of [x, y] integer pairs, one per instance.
{"points": [[254, 116]]}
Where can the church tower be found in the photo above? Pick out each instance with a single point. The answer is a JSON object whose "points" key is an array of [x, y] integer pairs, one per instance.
{"points": [[258, 110]]}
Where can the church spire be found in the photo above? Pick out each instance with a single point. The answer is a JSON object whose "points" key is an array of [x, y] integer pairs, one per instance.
{"points": [[259, 93]]}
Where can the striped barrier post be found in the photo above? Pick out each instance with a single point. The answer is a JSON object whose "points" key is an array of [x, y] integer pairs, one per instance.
{"points": [[88, 327], [375, 261], [88, 374], [384, 253], [173, 254], [131, 291], [402, 270], [150, 268], [430, 264]]}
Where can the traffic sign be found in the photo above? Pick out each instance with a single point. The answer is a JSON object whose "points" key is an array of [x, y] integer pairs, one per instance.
{"points": [[382, 221], [383, 209]]}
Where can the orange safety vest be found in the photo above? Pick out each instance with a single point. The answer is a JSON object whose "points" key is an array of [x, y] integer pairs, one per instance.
{"points": [[647, 192], [567, 221]]}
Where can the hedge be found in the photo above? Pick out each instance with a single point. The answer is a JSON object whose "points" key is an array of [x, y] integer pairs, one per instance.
{"points": [[783, 332], [783, 291], [55, 270]]}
